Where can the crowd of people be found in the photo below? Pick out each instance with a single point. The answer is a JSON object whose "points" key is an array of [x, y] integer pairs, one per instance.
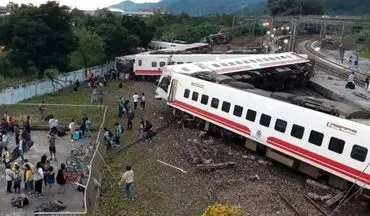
{"points": [[22, 176], [125, 109], [33, 177]]}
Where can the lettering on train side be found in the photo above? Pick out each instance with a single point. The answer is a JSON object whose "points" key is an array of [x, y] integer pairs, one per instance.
{"points": [[341, 128], [197, 85]]}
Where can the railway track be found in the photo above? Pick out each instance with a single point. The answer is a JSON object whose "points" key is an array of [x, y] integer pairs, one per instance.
{"points": [[331, 67], [311, 204]]}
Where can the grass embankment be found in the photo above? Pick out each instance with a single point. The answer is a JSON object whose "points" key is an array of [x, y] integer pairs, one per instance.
{"points": [[365, 54], [64, 113]]}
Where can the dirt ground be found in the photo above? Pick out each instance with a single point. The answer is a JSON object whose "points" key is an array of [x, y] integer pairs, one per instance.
{"points": [[162, 190]]}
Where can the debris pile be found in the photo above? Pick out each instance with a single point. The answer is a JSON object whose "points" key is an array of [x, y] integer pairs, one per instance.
{"points": [[203, 154]]}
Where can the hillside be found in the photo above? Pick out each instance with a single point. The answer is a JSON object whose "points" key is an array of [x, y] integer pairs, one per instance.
{"points": [[203, 7], [240, 7], [353, 7]]}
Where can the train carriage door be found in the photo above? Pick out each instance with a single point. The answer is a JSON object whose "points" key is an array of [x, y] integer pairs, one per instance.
{"points": [[172, 93]]}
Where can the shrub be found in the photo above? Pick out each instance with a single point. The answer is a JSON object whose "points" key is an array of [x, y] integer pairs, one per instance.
{"points": [[220, 209]]}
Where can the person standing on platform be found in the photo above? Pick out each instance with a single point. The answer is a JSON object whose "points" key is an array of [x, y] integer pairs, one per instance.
{"points": [[72, 128], [38, 177], [52, 137], [9, 174]]}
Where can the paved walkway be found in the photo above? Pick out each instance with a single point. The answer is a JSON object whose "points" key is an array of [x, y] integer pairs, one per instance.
{"points": [[72, 197]]}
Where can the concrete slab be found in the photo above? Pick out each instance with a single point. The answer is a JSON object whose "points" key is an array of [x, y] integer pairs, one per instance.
{"points": [[334, 88], [72, 197]]}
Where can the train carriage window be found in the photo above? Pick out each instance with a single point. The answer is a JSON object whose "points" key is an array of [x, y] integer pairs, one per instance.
{"points": [[216, 65], [247, 62], [283, 57], [253, 61], [171, 63], [265, 59], [359, 153], [336, 145], [189, 62], [251, 115], [316, 138], [201, 66], [140, 62], [280, 125], [195, 96], [297, 131], [259, 60], [225, 106], [238, 110], [215, 102], [277, 57], [271, 58], [154, 64], [180, 62], [265, 120], [231, 63], [185, 69], [204, 99], [224, 64], [162, 64], [186, 93], [239, 62]]}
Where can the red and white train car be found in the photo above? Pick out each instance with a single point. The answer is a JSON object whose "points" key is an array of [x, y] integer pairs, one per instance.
{"points": [[301, 136], [152, 64]]}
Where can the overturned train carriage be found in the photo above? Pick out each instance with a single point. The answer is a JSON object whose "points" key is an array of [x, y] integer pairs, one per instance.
{"points": [[311, 138]]}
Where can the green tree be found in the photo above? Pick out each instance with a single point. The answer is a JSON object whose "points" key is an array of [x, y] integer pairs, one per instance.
{"points": [[294, 7], [38, 36], [90, 49]]}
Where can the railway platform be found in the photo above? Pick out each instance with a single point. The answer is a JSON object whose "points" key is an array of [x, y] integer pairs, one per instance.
{"points": [[334, 89]]}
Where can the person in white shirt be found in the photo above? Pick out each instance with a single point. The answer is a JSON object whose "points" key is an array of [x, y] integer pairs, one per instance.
{"points": [[136, 99], [128, 178], [9, 174], [142, 101], [53, 124], [5, 140], [72, 128], [5, 156], [351, 81], [37, 178]]}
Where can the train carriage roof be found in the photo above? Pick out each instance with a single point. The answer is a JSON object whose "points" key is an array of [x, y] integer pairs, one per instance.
{"points": [[251, 62]]}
